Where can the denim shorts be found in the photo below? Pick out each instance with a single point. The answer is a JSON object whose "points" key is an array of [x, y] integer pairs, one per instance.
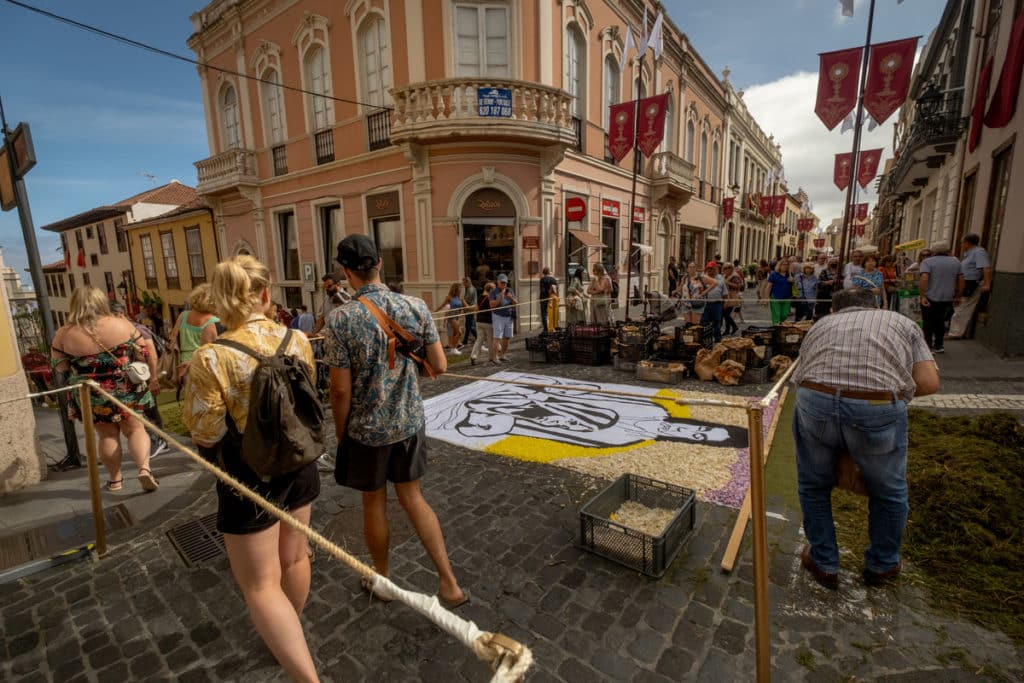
{"points": [[502, 326]]}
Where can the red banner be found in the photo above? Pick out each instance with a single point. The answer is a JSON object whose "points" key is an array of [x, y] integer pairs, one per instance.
{"points": [[778, 205], [860, 229], [1004, 99], [805, 224], [652, 123], [841, 173], [862, 213], [639, 214], [620, 138], [609, 208], [727, 207], [980, 97], [890, 66], [765, 205], [819, 243], [81, 258], [838, 74], [867, 166]]}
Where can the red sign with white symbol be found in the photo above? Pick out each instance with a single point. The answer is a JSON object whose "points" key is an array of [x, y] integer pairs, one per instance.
{"points": [[639, 215], [609, 208], [575, 209]]}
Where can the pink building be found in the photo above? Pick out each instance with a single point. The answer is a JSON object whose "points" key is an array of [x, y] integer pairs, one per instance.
{"points": [[452, 132]]}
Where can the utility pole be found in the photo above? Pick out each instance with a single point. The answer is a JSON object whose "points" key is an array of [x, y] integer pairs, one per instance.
{"points": [[74, 457]]}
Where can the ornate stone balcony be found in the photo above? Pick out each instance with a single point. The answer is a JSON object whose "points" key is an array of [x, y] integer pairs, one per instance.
{"points": [[468, 109], [225, 171], [671, 178]]}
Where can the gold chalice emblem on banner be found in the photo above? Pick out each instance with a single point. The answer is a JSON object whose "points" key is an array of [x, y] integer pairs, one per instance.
{"points": [[837, 74]]}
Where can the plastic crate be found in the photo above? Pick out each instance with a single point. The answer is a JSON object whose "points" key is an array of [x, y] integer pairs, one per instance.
{"points": [[757, 375], [558, 355], [762, 336], [665, 372], [741, 356], [630, 352], [691, 333], [591, 350], [536, 343], [592, 331], [665, 343], [635, 549], [623, 365], [538, 355], [791, 350]]}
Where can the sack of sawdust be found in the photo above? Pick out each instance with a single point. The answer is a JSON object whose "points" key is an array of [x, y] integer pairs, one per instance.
{"points": [[706, 363], [729, 372], [848, 476], [778, 366], [738, 343], [759, 353]]}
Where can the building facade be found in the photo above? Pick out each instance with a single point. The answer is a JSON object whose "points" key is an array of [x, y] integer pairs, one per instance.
{"points": [[462, 164], [171, 254], [954, 153], [18, 297], [96, 245]]}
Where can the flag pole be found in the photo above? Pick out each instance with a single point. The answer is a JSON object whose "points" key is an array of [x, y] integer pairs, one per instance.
{"points": [[637, 160], [854, 161]]}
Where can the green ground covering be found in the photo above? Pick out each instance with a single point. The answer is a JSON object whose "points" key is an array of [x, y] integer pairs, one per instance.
{"points": [[965, 537], [170, 410]]}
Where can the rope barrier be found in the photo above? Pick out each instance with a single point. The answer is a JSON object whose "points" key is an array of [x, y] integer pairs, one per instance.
{"points": [[38, 394], [509, 659]]}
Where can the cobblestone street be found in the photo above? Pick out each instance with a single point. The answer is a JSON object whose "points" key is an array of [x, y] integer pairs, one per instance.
{"points": [[512, 529]]}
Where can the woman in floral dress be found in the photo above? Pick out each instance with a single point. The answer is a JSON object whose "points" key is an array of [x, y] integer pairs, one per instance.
{"points": [[99, 346]]}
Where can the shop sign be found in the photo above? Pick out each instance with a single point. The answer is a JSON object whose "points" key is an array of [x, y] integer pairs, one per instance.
{"points": [[639, 214], [386, 204], [488, 203], [609, 208], [575, 209], [910, 246], [531, 242], [494, 103]]}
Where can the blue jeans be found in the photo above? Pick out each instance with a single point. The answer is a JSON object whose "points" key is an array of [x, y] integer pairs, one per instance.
{"points": [[470, 320], [713, 315], [875, 434], [544, 315]]}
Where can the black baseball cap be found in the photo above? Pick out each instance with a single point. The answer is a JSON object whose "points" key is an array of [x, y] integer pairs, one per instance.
{"points": [[358, 252]]}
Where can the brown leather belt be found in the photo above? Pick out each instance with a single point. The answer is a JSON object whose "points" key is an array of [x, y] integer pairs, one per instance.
{"points": [[852, 393]]}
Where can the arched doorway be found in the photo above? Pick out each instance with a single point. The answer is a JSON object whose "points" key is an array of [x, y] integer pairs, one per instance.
{"points": [[488, 236]]}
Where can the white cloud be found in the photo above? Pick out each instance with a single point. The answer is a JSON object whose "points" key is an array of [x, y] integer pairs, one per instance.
{"points": [[785, 108]]}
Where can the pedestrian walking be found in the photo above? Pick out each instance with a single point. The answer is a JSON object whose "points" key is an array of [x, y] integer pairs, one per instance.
{"points": [[600, 292], [502, 301], [378, 412], [470, 295], [780, 292], [95, 345], [859, 367], [673, 275], [484, 327], [157, 443], [735, 284], [268, 559], [575, 300], [939, 285], [451, 308], [976, 284], [714, 297], [807, 292], [548, 288]]}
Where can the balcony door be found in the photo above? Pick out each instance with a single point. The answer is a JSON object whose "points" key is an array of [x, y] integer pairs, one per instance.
{"points": [[482, 40]]}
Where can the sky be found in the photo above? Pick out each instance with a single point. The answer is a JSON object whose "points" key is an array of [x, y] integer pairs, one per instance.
{"points": [[109, 121]]}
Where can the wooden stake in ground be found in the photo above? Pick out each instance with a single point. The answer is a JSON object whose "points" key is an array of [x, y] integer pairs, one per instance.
{"points": [[733, 547]]}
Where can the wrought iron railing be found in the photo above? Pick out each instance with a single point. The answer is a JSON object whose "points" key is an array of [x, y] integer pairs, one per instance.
{"points": [[323, 146], [935, 122], [577, 131], [378, 129], [280, 156]]}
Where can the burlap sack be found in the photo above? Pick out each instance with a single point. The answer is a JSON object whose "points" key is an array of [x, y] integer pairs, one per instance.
{"points": [[706, 363], [738, 343], [729, 373], [778, 366]]}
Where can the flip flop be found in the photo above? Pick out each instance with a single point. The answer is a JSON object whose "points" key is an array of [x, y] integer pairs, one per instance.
{"points": [[367, 586], [148, 481], [454, 604], [114, 485]]}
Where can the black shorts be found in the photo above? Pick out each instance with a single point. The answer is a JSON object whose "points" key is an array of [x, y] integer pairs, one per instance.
{"points": [[238, 515], [369, 468]]}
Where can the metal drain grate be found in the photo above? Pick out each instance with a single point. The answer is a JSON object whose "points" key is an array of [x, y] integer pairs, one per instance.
{"points": [[55, 537], [198, 541]]}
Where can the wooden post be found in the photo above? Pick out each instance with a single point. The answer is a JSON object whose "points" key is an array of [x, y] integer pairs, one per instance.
{"points": [[85, 403], [762, 639]]}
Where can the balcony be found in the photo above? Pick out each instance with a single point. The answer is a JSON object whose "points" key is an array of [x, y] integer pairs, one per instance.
{"points": [[938, 125], [323, 146], [671, 179], [279, 155], [378, 130], [222, 172], [468, 109]]}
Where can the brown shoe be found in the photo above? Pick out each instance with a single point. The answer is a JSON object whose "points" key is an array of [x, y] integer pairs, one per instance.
{"points": [[875, 579], [830, 581]]}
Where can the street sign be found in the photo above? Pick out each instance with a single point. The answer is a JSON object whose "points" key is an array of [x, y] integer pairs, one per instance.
{"points": [[531, 242], [7, 196], [494, 103], [575, 209]]}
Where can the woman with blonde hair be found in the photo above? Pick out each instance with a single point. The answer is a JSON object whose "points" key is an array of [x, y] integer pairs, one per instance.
{"points": [[451, 307], [99, 346], [600, 291], [194, 327], [268, 559]]}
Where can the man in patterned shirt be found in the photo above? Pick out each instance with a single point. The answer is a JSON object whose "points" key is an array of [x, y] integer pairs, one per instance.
{"points": [[858, 369], [378, 411]]}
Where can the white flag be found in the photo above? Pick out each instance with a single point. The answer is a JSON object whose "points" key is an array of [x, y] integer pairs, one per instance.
{"points": [[847, 7], [872, 124], [630, 42], [848, 123], [642, 47], [654, 41], [768, 179]]}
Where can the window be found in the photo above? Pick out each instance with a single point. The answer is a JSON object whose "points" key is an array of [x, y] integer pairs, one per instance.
{"points": [[88, 233], [229, 117], [86, 280], [318, 81], [101, 234], [609, 237], [481, 40], [148, 261], [387, 233], [122, 238], [576, 69], [330, 235], [966, 206], [612, 84], [71, 282], [690, 134], [703, 155], [60, 282], [668, 139], [78, 239], [108, 278], [273, 107], [376, 62], [170, 261], [194, 247], [288, 237], [714, 164], [995, 212], [94, 259]]}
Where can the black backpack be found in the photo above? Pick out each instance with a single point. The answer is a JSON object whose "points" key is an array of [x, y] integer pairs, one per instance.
{"points": [[615, 289], [284, 430]]}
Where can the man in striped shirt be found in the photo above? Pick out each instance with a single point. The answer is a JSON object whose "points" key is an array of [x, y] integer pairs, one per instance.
{"points": [[858, 369]]}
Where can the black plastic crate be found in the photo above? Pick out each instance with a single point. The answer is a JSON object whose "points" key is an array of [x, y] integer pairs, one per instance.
{"points": [[762, 336], [588, 331], [538, 355], [591, 350], [635, 549], [692, 333], [538, 343], [558, 356]]}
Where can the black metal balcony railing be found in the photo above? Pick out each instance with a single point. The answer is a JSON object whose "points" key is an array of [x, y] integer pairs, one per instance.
{"points": [[577, 130], [323, 146], [937, 121], [280, 155], [378, 130]]}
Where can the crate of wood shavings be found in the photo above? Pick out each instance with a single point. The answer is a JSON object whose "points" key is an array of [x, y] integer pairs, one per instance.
{"points": [[666, 514]]}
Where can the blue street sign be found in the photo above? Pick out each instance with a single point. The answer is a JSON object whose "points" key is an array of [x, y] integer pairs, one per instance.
{"points": [[494, 102]]}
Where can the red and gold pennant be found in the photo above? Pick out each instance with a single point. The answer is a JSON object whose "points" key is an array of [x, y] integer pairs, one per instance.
{"points": [[765, 205], [779, 205], [841, 173], [838, 74], [623, 129], [652, 123], [890, 66], [727, 207], [867, 166]]}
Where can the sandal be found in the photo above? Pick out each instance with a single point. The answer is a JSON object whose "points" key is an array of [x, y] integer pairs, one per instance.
{"points": [[454, 604], [148, 481], [114, 484], [367, 586]]}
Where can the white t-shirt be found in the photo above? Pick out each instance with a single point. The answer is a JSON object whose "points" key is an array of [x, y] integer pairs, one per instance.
{"points": [[850, 271]]}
